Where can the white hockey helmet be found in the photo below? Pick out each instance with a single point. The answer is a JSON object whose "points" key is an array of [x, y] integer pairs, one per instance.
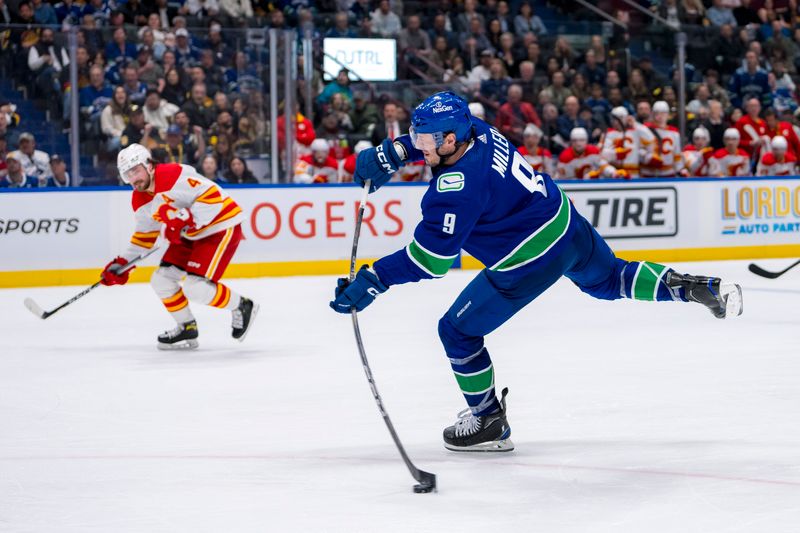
{"points": [[619, 112], [661, 107], [779, 143], [701, 133], [579, 134], [131, 157], [477, 110], [361, 145], [320, 145], [532, 129], [731, 134]]}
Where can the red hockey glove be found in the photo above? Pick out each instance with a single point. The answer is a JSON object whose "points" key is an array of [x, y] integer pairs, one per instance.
{"points": [[111, 274], [175, 220]]}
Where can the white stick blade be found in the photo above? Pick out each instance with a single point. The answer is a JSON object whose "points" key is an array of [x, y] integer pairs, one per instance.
{"points": [[34, 308]]}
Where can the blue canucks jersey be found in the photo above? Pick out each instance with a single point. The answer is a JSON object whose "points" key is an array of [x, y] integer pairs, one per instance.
{"points": [[491, 204]]}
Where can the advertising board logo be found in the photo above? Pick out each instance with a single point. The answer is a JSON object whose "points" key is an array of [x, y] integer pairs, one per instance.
{"points": [[760, 209], [629, 212]]}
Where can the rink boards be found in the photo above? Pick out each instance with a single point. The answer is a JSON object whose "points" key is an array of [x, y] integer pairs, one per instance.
{"points": [[64, 236]]}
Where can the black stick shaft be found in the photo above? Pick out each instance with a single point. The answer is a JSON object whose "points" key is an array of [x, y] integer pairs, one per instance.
{"points": [[423, 477]]}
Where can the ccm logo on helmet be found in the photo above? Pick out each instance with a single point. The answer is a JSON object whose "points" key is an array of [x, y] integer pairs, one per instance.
{"points": [[383, 160]]}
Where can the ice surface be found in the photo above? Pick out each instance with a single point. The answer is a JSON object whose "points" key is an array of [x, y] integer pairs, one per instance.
{"points": [[627, 416]]}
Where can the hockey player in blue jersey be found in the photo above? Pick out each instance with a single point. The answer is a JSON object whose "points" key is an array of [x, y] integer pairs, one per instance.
{"points": [[485, 198]]}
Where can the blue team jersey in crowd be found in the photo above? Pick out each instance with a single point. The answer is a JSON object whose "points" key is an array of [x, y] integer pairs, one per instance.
{"points": [[491, 204]]}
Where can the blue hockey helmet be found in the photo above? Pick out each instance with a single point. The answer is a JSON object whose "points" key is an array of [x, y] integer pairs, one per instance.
{"points": [[437, 115]]}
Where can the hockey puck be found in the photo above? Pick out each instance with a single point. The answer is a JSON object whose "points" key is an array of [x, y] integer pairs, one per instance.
{"points": [[424, 488]]}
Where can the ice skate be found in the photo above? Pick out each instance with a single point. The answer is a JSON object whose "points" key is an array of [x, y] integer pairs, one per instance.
{"points": [[489, 433], [724, 300], [183, 337], [243, 317]]}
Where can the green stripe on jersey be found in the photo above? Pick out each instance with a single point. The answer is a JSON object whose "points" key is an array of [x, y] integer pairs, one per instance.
{"points": [[538, 243], [434, 264], [476, 383], [645, 283]]}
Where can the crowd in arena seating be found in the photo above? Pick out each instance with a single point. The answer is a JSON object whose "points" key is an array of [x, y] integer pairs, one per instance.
{"points": [[180, 78]]}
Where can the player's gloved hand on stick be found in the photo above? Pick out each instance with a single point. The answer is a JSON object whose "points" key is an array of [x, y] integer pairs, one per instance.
{"points": [[176, 220], [359, 293], [111, 273], [377, 164]]}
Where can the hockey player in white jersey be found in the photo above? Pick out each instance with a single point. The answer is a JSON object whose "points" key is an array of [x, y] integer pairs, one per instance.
{"points": [[697, 154], [729, 160], [582, 160], [779, 161], [627, 144], [665, 160]]}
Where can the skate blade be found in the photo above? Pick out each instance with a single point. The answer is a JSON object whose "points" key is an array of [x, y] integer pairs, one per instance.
{"points": [[504, 445], [189, 344], [253, 314], [732, 294]]}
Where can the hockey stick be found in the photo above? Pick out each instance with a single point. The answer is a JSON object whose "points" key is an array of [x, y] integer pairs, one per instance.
{"points": [[427, 481], [758, 271], [37, 310]]}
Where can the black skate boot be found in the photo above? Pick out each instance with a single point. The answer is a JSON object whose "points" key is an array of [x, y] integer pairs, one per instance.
{"points": [[183, 337], [722, 299], [243, 317], [489, 433]]}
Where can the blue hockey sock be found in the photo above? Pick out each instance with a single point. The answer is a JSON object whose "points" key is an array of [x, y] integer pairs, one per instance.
{"points": [[642, 280], [475, 376]]}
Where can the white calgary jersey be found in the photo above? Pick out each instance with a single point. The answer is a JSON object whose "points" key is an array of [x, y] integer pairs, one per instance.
{"points": [[587, 165], [696, 161], [724, 163], [665, 160], [181, 187], [770, 166], [630, 149]]}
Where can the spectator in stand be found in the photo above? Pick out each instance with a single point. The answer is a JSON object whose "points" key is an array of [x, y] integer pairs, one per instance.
{"points": [[238, 173], [360, 10], [178, 150], [200, 9], [749, 81], [746, 14], [508, 55], [119, 49], [702, 97], [136, 12], [237, 9], [557, 91], [158, 112], [246, 143], [413, 37], [200, 108], [779, 45], [341, 27], [136, 131], [494, 89], [715, 124], [616, 99], [223, 152], [209, 169], [135, 89], [598, 104], [504, 18], [114, 117], [174, 90], [366, 30], [440, 29], [579, 87], [186, 54], [15, 177], [528, 22], [527, 80], [476, 35], [637, 86], [569, 119], [318, 166], [148, 71], [47, 61], [718, 14], [385, 22], [340, 106], [591, 70], [97, 95], [493, 34], [552, 140], [730, 160], [463, 21], [34, 162], [43, 13], [481, 71], [442, 56], [340, 85], [363, 114], [390, 127], [727, 49], [514, 115], [60, 176]]}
